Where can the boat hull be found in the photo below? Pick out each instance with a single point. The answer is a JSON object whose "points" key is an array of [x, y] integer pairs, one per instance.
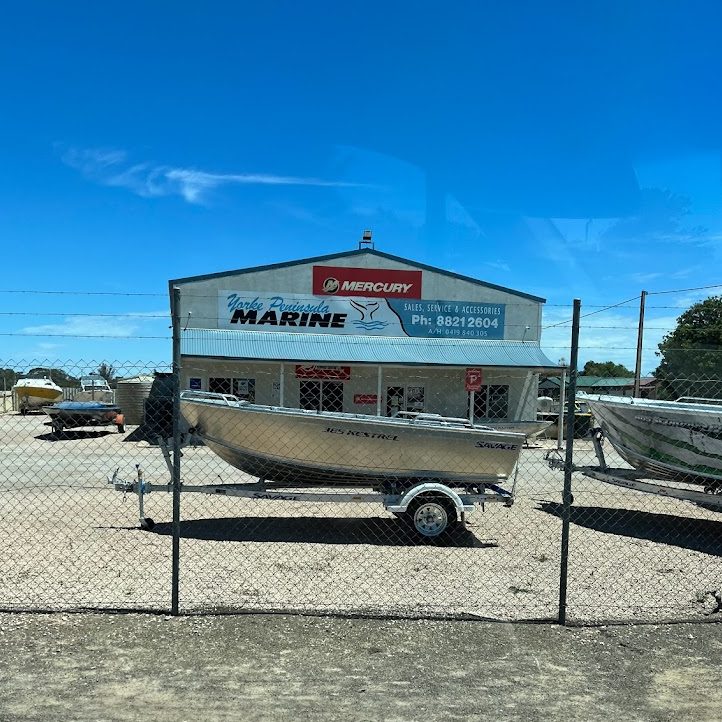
{"points": [[301, 447], [665, 439], [75, 414], [32, 394]]}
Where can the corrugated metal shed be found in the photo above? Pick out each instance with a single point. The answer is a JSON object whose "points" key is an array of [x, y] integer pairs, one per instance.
{"points": [[281, 346]]}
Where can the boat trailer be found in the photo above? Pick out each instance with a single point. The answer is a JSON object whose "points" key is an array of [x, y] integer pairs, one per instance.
{"points": [[430, 507], [709, 498]]}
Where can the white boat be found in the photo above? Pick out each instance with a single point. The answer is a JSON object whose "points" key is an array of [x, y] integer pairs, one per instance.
{"points": [[324, 448], [34, 393], [677, 440], [94, 387]]}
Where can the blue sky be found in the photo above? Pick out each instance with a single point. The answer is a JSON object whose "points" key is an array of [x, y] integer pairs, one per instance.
{"points": [[563, 149]]}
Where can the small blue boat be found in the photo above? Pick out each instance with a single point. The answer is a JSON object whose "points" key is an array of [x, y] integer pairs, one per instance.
{"points": [[77, 414]]}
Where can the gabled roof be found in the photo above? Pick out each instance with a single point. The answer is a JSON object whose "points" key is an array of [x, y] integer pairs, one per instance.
{"points": [[351, 254]]}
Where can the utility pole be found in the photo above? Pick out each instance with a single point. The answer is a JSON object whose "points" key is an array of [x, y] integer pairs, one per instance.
{"points": [[640, 337]]}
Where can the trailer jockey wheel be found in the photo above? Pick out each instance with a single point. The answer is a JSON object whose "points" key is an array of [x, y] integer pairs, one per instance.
{"points": [[431, 514]]}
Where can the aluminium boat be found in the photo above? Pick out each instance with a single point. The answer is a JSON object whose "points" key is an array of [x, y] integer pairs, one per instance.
{"points": [[678, 440], [312, 448], [32, 394]]}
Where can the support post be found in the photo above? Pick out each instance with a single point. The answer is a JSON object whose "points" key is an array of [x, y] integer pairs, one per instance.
{"points": [[176, 475], [560, 420], [471, 407], [282, 388], [568, 465], [640, 337], [379, 390]]}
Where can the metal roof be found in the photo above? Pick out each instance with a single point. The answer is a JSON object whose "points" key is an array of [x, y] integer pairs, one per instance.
{"points": [[316, 347], [348, 254], [604, 381]]}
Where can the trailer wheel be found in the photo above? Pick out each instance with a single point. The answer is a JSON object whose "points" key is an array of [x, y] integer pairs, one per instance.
{"points": [[431, 514]]}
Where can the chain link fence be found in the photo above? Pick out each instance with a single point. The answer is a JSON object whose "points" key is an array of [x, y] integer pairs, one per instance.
{"points": [[422, 499]]}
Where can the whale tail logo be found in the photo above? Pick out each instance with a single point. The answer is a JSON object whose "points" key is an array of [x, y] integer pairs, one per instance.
{"points": [[366, 310]]}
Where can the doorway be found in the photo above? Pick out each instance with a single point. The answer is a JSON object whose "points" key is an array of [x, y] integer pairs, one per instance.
{"points": [[404, 398]]}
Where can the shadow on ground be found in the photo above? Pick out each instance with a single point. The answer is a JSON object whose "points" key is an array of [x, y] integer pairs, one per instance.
{"points": [[702, 535], [316, 530], [72, 435]]}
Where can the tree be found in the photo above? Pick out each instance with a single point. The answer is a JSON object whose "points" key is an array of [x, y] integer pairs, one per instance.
{"points": [[60, 377], [608, 369], [691, 362], [107, 372], [8, 377]]}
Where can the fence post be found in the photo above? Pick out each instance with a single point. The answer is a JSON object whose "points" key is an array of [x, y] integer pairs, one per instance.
{"points": [[175, 577], [568, 462]]}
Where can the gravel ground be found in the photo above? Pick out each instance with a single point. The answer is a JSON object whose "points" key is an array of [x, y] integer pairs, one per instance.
{"points": [[68, 540], [103, 667]]}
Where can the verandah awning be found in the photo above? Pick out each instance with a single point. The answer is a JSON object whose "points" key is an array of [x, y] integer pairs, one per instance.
{"points": [[332, 348]]}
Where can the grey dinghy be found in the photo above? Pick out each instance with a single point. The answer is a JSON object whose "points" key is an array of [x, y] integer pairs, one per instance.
{"points": [[676, 440], [323, 448]]}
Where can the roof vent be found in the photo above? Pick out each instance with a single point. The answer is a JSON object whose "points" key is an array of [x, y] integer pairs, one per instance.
{"points": [[366, 241]]}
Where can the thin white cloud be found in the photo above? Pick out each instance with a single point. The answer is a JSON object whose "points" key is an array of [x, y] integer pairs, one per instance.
{"points": [[116, 326], [499, 265], [110, 167]]}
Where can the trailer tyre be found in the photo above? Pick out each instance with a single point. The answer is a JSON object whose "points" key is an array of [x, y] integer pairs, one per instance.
{"points": [[431, 515]]}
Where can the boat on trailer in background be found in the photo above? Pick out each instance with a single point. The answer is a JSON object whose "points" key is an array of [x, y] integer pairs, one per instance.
{"points": [[78, 414], [33, 393]]}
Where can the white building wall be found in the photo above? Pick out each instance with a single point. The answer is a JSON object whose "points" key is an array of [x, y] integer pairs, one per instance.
{"points": [[200, 298], [444, 391]]}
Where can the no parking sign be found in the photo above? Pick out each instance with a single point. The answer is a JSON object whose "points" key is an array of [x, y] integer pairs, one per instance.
{"points": [[473, 379]]}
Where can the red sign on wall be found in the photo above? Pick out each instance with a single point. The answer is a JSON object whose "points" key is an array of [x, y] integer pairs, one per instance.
{"points": [[372, 282], [335, 373], [473, 379], [365, 398]]}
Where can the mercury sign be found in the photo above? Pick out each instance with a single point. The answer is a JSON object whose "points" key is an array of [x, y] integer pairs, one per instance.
{"points": [[368, 282], [299, 313]]}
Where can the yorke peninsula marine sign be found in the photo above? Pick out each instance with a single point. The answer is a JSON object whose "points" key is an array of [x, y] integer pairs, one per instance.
{"points": [[302, 313]]}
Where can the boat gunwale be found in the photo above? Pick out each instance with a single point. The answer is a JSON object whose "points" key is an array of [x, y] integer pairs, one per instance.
{"points": [[427, 424]]}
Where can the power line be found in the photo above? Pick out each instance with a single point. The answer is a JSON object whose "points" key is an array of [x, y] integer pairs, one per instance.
{"points": [[585, 315], [684, 290]]}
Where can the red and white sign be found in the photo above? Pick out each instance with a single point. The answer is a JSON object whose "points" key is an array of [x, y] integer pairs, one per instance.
{"points": [[370, 282], [473, 379], [335, 373], [365, 398]]}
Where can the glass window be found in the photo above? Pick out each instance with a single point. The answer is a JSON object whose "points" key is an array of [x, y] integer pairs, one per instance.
{"points": [[244, 389]]}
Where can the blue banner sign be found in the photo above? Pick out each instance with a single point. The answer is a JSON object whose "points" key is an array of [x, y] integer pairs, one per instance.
{"points": [[459, 319], [299, 313]]}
